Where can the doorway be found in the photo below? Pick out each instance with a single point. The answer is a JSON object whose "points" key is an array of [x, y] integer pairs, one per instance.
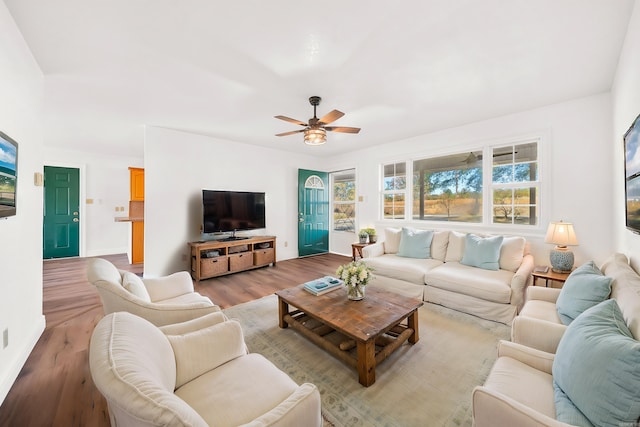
{"points": [[61, 212], [313, 212]]}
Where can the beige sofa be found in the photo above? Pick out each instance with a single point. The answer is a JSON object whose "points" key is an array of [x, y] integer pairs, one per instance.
{"points": [[162, 301], [196, 373], [442, 279], [520, 387]]}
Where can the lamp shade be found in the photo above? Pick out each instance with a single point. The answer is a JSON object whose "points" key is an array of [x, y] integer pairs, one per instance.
{"points": [[315, 136], [561, 234]]}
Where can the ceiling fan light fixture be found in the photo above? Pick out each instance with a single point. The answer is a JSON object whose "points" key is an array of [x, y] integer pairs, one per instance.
{"points": [[315, 136]]}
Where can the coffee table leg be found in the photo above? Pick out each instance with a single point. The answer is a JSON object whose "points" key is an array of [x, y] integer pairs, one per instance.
{"points": [[412, 322], [367, 362], [283, 310]]}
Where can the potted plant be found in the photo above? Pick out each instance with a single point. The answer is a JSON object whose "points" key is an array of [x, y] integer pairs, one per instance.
{"points": [[363, 235], [355, 275], [371, 232]]}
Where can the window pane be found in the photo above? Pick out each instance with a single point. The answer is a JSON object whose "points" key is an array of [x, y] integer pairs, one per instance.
{"points": [[395, 177], [344, 196], [515, 206], [448, 188], [344, 216], [393, 206]]}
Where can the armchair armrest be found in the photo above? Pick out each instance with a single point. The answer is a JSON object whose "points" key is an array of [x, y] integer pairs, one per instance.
{"points": [[491, 409], [370, 251], [194, 324], [536, 333], [543, 294], [301, 408], [521, 280], [171, 286], [537, 359], [203, 350]]}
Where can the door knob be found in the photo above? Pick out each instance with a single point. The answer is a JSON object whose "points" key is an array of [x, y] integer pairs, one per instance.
{"points": [[75, 213], [301, 220], [76, 220]]}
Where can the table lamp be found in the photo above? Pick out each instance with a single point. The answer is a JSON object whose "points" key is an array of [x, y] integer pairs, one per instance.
{"points": [[562, 235]]}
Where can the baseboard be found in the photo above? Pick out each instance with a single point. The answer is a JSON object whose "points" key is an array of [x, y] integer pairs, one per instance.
{"points": [[101, 252], [20, 360]]}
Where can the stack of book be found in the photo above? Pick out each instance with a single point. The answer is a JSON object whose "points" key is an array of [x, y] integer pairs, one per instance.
{"points": [[323, 285]]}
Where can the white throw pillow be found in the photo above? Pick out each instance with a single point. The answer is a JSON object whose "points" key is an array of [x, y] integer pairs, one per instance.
{"points": [[439, 245], [512, 253], [392, 240], [135, 285], [455, 249]]}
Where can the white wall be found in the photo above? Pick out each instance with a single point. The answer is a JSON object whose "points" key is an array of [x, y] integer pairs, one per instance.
{"points": [[179, 165], [626, 107], [576, 157], [104, 180], [21, 86]]}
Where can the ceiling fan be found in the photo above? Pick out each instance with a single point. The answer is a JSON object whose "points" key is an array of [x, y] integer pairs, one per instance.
{"points": [[315, 132]]}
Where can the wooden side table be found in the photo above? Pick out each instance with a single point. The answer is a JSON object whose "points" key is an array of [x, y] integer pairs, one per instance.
{"points": [[549, 275], [356, 249]]}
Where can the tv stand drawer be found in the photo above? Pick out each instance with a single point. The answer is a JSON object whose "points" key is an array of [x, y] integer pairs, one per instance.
{"points": [[214, 266], [240, 261], [263, 256]]}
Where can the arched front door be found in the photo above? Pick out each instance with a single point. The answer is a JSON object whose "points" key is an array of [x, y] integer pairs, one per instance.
{"points": [[313, 212]]}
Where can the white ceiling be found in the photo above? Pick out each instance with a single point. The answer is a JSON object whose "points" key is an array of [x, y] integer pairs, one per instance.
{"points": [[224, 69]]}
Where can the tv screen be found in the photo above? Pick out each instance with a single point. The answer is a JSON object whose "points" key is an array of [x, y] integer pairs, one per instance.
{"points": [[8, 175], [632, 176], [225, 211]]}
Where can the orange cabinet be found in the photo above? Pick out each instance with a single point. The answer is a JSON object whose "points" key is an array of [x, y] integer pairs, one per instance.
{"points": [[137, 242], [136, 212], [136, 180]]}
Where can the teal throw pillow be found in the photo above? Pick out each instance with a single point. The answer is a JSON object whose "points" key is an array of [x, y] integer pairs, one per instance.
{"points": [[415, 243], [597, 366], [585, 287], [482, 252]]}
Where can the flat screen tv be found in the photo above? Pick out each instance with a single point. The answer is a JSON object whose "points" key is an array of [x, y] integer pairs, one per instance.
{"points": [[632, 176], [8, 175], [231, 211]]}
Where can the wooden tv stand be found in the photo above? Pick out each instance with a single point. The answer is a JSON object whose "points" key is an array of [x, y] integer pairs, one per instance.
{"points": [[219, 257]]}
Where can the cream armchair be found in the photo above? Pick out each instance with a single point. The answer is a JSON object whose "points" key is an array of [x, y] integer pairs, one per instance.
{"points": [[197, 373], [538, 324], [162, 301]]}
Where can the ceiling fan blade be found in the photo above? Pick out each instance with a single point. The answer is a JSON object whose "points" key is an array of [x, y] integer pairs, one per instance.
{"points": [[289, 119], [290, 133], [342, 129], [331, 117]]}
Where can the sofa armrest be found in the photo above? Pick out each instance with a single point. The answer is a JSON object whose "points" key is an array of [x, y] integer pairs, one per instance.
{"points": [[537, 359], [520, 280], [203, 350], [543, 294], [194, 324], [370, 251], [491, 408], [301, 408], [537, 333], [171, 286]]}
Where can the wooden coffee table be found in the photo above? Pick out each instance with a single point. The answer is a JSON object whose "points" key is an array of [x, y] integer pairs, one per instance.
{"points": [[367, 331]]}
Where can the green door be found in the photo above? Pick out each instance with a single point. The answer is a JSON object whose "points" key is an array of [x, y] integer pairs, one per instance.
{"points": [[313, 212], [61, 223]]}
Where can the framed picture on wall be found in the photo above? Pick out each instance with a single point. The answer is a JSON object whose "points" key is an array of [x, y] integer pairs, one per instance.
{"points": [[632, 176]]}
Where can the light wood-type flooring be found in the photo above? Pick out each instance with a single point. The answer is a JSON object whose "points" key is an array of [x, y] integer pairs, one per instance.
{"points": [[55, 387]]}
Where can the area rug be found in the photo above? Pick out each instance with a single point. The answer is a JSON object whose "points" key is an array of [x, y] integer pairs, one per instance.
{"points": [[429, 383]]}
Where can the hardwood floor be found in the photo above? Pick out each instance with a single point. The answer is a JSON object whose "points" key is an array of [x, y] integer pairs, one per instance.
{"points": [[55, 387]]}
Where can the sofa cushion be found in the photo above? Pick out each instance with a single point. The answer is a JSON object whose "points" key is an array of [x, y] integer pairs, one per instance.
{"points": [[597, 366], [135, 285], [625, 289], [439, 245], [512, 253], [415, 243], [238, 391], [541, 310], [455, 248], [482, 252], [408, 269], [392, 240], [585, 287], [489, 285]]}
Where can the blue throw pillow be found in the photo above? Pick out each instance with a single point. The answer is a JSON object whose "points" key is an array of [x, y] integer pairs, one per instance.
{"points": [[597, 366], [415, 243], [585, 287], [482, 252]]}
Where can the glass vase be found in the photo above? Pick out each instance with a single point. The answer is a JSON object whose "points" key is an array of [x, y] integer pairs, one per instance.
{"points": [[355, 293]]}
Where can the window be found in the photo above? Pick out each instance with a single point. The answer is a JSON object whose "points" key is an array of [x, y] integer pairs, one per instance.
{"points": [[515, 184], [493, 185], [448, 188], [394, 185], [344, 200]]}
